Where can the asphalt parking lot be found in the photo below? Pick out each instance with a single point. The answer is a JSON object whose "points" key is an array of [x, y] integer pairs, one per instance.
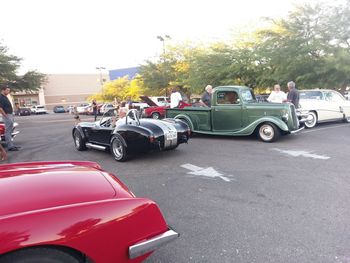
{"points": [[233, 199]]}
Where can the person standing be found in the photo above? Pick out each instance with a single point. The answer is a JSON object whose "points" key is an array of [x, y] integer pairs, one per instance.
{"points": [[293, 94], [277, 96], [7, 115], [175, 97], [94, 108], [206, 96]]}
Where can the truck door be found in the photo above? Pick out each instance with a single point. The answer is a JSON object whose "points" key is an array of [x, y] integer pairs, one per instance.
{"points": [[227, 112]]}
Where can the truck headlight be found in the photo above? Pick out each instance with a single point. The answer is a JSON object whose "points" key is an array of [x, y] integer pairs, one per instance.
{"points": [[285, 117]]}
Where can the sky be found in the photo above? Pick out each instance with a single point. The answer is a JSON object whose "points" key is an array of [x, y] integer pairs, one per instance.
{"points": [[76, 36]]}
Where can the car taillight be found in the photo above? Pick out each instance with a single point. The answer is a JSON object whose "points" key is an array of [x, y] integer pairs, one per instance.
{"points": [[152, 139], [189, 132]]}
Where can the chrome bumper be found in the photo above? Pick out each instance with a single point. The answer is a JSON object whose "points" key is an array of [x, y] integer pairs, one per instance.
{"points": [[149, 245], [14, 134], [298, 130]]}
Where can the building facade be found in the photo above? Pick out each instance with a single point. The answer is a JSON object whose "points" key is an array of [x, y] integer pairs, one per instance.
{"points": [[62, 89], [69, 89]]}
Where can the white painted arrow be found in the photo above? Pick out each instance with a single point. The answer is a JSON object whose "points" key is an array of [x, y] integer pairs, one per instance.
{"points": [[302, 154], [207, 172]]}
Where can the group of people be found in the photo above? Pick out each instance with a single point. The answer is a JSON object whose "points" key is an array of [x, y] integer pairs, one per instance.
{"points": [[176, 97], [279, 96], [6, 111], [276, 96]]}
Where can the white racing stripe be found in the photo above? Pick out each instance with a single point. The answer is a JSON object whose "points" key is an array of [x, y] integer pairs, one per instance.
{"points": [[169, 131]]}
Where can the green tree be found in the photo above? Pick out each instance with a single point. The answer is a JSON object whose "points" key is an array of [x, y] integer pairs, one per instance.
{"points": [[9, 64], [121, 89]]}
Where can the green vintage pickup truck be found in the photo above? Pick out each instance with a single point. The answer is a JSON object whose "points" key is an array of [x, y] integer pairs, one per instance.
{"points": [[235, 112]]}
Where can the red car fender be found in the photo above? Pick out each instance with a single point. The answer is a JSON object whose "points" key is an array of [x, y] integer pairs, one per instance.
{"points": [[160, 109], [102, 230]]}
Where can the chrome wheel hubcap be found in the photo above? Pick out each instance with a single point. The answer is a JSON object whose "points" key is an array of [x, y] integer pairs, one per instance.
{"points": [[266, 132], [77, 140], [117, 148]]}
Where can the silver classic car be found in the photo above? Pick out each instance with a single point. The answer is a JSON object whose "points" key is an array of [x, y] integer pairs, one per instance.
{"points": [[323, 105]]}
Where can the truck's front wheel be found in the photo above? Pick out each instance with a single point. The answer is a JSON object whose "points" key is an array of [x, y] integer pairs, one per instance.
{"points": [[268, 132]]}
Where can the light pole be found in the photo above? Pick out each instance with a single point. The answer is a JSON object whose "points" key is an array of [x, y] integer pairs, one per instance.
{"points": [[162, 39], [100, 69]]}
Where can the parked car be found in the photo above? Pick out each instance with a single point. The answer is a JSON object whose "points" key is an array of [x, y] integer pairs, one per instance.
{"points": [[153, 110], [106, 107], [161, 101], [22, 111], [38, 109], [323, 106], [2, 130], [70, 108], [139, 105], [83, 108], [74, 212], [235, 112], [59, 109], [130, 134]]}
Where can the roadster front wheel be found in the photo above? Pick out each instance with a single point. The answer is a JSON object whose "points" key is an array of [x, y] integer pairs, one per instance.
{"points": [[118, 149], [79, 141]]}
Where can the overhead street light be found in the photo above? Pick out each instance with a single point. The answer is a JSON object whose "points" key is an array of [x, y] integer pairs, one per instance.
{"points": [[100, 69], [163, 39]]}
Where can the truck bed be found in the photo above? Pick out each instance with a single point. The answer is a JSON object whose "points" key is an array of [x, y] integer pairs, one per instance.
{"points": [[200, 116]]}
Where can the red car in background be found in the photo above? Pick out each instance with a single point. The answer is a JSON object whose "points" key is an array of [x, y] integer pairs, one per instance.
{"points": [[156, 112], [74, 212]]}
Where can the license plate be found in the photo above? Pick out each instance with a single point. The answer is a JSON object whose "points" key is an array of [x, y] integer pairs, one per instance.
{"points": [[171, 135]]}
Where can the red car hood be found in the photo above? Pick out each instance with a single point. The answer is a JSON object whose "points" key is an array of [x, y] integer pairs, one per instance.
{"points": [[32, 186]]}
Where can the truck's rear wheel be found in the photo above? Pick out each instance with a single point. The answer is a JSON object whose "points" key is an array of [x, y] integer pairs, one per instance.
{"points": [[268, 132]]}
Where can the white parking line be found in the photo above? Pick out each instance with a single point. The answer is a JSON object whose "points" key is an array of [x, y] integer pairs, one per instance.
{"points": [[302, 154], [207, 172], [325, 128]]}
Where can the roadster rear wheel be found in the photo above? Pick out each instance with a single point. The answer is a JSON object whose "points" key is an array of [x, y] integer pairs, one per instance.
{"points": [[118, 149], [268, 132], [79, 141]]}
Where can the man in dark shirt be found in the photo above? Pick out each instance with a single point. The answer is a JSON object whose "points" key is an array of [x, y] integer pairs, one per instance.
{"points": [[94, 108], [6, 111], [293, 94], [206, 96]]}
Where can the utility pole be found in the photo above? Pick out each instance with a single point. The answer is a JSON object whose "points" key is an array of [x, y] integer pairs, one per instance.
{"points": [[100, 69], [162, 39]]}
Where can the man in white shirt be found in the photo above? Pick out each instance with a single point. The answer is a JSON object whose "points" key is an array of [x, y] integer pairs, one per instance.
{"points": [[175, 98], [277, 96]]}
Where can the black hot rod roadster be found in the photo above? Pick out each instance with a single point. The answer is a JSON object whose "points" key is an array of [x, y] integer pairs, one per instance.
{"points": [[130, 134]]}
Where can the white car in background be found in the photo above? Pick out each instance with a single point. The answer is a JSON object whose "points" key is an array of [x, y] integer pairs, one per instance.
{"points": [[38, 109], [323, 105], [83, 108], [106, 107], [161, 101]]}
